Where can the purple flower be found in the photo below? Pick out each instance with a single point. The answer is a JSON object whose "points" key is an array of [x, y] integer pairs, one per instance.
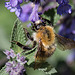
{"points": [[26, 12], [62, 1], [15, 67], [10, 54], [34, 15], [21, 59], [26, 0], [17, 70], [64, 7], [29, 13], [14, 3], [9, 66], [29, 25], [16, 9], [67, 28], [69, 31]]}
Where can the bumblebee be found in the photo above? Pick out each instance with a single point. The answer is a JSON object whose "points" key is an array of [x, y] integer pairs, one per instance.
{"points": [[47, 40]]}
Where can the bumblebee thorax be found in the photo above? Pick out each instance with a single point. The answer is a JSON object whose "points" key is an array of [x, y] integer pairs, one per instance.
{"points": [[46, 34]]}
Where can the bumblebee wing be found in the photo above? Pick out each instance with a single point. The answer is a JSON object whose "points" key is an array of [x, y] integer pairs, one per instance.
{"points": [[64, 43]]}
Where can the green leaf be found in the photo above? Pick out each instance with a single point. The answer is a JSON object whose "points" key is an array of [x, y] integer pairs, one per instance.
{"points": [[49, 15], [47, 68], [43, 66], [18, 35], [31, 71], [52, 71], [30, 55], [3, 71]]}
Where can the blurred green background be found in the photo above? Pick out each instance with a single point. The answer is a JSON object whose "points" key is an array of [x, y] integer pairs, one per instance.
{"points": [[58, 59], [6, 23]]}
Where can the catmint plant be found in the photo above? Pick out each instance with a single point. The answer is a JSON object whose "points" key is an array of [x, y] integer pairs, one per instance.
{"points": [[16, 66]]}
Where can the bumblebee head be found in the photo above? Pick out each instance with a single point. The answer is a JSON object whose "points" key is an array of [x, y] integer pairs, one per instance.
{"points": [[37, 24]]}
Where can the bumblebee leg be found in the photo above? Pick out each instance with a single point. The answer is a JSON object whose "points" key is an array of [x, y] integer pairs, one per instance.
{"points": [[34, 44], [26, 47], [22, 46], [28, 34], [31, 38], [33, 27]]}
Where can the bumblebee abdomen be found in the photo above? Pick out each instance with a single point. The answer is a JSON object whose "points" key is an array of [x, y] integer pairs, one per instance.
{"points": [[45, 53]]}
